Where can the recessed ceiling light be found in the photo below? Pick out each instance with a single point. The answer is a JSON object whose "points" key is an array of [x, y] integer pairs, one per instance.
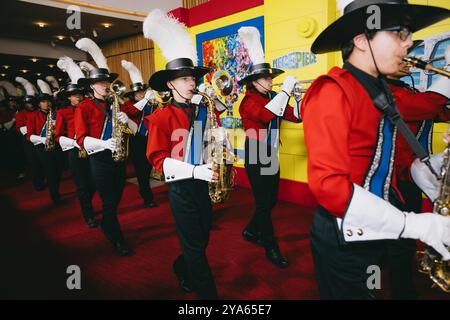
{"points": [[106, 25], [34, 59], [41, 24], [6, 66], [60, 37], [24, 70], [3, 74], [51, 65], [38, 74], [60, 79]]}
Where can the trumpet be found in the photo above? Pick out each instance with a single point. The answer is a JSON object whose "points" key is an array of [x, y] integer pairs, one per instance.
{"points": [[298, 89], [417, 63]]}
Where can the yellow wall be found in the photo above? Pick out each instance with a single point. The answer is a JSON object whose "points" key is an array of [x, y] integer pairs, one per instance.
{"points": [[292, 25]]}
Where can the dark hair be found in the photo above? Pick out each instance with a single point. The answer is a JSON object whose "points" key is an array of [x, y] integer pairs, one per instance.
{"points": [[250, 86], [347, 47]]}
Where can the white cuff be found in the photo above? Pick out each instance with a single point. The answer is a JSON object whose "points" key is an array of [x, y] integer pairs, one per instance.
{"points": [[369, 217], [36, 139], [132, 125], [93, 145], [23, 130], [424, 178], [66, 143], [175, 170], [278, 104]]}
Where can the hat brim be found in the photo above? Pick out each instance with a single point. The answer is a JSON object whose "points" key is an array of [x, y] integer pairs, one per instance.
{"points": [[130, 93], [415, 17], [83, 82], [272, 72], [158, 81]]}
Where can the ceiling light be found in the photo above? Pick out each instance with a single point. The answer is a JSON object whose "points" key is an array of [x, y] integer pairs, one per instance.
{"points": [[6, 66], [59, 79], [3, 74], [60, 37], [38, 74], [24, 70], [106, 25], [34, 59], [51, 65], [41, 24]]}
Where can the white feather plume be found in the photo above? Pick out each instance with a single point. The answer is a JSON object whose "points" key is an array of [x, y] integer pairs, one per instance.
{"points": [[93, 49], [29, 87], [341, 4], [53, 82], [9, 87], [135, 74], [44, 87], [170, 35], [84, 65], [67, 65], [251, 39]]}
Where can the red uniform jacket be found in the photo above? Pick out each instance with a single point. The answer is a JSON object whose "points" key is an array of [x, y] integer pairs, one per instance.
{"points": [[89, 119], [22, 118], [340, 123], [36, 122], [161, 124], [65, 125], [133, 113], [255, 116]]}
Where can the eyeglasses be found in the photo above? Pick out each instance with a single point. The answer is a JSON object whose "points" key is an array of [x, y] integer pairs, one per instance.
{"points": [[402, 32]]}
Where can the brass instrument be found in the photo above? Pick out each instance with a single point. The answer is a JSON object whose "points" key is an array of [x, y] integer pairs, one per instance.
{"points": [[220, 157], [417, 63], [429, 261], [298, 89], [121, 132], [50, 133]]}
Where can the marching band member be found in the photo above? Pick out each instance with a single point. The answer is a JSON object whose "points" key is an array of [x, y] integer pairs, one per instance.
{"points": [[175, 148], [93, 131], [65, 136], [351, 147], [401, 253], [40, 131], [22, 118], [138, 143], [262, 111]]}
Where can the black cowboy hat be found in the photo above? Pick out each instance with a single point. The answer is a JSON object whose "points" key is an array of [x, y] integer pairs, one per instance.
{"points": [[393, 13], [44, 96], [174, 69], [260, 70], [97, 75], [136, 87], [71, 89]]}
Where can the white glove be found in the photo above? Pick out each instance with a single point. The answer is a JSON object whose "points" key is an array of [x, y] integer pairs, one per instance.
{"points": [[219, 134], [430, 228], [423, 177], [122, 116], [37, 139], [76, 144], [110, 144], [203, 172], [149, 95], [288, 84], [93, 145], [23, 130]]}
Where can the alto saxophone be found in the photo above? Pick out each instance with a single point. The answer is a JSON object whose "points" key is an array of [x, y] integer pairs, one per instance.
{"points": [[220, 157], [429, 261], [121, 132], [50, 133]]}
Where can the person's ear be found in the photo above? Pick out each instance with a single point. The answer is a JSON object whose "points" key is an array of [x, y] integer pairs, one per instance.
{"points": [[361, 42], [170, 85]]}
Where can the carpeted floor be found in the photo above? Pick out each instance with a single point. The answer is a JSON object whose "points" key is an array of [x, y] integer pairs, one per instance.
{"points": [[38, 241]]}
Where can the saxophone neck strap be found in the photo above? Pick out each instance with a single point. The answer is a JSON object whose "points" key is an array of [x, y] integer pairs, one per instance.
{"points": [[105, 112]]}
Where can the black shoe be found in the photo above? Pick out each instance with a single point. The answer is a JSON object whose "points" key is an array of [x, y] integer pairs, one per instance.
{"points": [[150, 204], [274, 255], [251, 237], [91, 223], [183, 281], [122, 248]]}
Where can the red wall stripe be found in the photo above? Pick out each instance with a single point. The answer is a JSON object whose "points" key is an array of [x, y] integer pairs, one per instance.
{"points": [[212, 10]]}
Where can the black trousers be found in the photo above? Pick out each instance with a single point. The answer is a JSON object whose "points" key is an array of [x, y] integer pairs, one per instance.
{"points": [[109, 178], [191, 207], [143, 169], [81, 174], [265, 192], [13, 159], [35, 166], [50, 160], [342, 268], [401, 253]]}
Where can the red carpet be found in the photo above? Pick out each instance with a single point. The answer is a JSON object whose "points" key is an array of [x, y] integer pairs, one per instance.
{"points": [[38, 241]]}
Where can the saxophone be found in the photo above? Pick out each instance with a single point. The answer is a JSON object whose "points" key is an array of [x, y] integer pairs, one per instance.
{"points": [[120, 131], [429, 261], [50, 133], [220, 157]]}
